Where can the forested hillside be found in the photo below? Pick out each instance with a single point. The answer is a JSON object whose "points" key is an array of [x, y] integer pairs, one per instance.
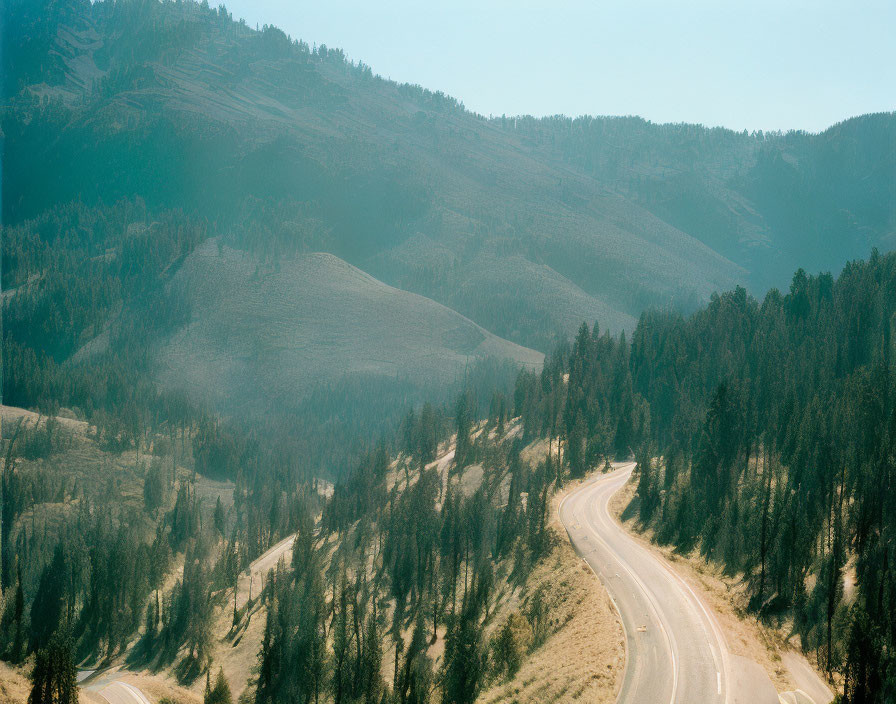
{"points": [[286, 146], [102, 543], [422, 576], [135, 131], [764, 434], [234, 260]]}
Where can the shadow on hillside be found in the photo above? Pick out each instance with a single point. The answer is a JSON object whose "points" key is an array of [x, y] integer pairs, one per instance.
{"points": [[187, 670], [632, 510]]}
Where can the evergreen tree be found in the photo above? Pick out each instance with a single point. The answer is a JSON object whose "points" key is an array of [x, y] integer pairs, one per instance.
{"points": [[54, 676], [220, 693], [18, 640], [219, 517], [464, 662], [463, 424]]}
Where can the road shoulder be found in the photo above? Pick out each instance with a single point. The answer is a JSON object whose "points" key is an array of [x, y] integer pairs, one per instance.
{"points": [[747, 639], [583, 658]]}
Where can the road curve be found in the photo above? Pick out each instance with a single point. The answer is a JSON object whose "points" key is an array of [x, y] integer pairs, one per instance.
{"points": [[107, 685], [267, 561], [122, 693], [252, 578], [675, 651]]}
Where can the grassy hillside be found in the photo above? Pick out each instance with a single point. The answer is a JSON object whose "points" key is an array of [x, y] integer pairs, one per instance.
{"points": [[262, 337]]}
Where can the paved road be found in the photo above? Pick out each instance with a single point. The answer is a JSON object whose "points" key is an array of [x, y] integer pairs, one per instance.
{"points": [[258, 570], [811, 688], [675, 651], [122, 693], [113, 690], [268, 561]]}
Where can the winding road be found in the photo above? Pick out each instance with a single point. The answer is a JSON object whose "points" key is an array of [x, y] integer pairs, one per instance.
{"points": [[122, 693], [260, 567], [113, 690], [675, 650]]}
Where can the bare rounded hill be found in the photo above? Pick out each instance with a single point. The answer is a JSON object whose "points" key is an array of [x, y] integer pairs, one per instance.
{"points": [[261, 336]]}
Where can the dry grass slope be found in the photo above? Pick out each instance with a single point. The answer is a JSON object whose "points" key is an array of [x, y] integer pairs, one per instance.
{"points": [[267, 336], [14, 686]]}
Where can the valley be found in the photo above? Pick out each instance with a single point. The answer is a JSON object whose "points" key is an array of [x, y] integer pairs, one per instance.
{"points": [[319, 387]]}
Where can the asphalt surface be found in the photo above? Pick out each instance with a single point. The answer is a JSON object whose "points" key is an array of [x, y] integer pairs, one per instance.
{"points": [[113, 690], [268, 561], [122, 693], [811, 688], [675, 651]]}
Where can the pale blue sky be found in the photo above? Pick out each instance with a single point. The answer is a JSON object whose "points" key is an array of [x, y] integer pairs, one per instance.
{"points": [[757, 65]]}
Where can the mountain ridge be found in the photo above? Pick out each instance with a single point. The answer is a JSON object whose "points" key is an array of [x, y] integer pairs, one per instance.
{"points": [[526, 227]]}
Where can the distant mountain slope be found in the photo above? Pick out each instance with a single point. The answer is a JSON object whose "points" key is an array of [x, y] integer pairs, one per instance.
{"points": [[770, 202], [182, 107], [523, 225], [261, 337]]}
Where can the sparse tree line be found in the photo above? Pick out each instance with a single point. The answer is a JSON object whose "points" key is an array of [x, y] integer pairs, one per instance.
{"points": [[83, 569], [399, 560]]}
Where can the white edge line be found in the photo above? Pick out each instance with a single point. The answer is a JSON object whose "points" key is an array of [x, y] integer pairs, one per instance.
{"points": [[643, 587], [136, 692], [625, 635], [710, 618]]}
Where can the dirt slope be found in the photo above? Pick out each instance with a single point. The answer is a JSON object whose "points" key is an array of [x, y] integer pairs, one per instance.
{"points": [[584, 658]]}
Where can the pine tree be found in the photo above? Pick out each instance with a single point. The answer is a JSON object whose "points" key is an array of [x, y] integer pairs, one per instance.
{"points": [[18, 617], [463, 423], [54, 676], [464, 662], [219, 517], [220, 693]]}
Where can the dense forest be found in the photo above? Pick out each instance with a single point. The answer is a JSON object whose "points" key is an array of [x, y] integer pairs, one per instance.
{"points": [[764, 435]]}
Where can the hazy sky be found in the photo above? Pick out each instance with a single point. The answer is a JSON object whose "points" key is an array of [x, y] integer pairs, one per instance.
{"points": [[757, 65]]}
